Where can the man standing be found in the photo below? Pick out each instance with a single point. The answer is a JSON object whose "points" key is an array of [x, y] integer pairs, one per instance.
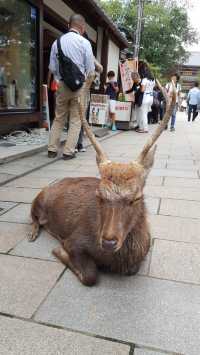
{"points": [[192, 99], [79, 50]]}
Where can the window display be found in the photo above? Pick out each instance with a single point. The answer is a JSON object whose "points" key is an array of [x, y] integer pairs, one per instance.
{"points": [[18, 55]]}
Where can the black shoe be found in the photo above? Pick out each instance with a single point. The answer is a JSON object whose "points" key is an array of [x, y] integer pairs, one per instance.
{"points": [[68, 156], [52, 154]]}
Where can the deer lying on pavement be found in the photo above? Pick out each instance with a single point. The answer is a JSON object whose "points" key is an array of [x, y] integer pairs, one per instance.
{"points": [[100, 223]]}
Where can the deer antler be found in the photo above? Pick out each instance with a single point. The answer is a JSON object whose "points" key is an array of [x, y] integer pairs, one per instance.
{"points": [[170, 105], [101, 156]]}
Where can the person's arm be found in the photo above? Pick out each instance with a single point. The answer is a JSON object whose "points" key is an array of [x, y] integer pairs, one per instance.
{"points": [[143, 85], [188, 97], [115, 87], [98, 66], [49, 79], [130, 91], [89, 59], [53, 63]]}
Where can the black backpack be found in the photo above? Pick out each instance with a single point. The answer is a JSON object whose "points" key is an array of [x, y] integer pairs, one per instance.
{"points": [[69, 71]]}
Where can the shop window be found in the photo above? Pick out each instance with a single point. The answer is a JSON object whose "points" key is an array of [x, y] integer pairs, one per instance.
{"points": [[18, 55]]}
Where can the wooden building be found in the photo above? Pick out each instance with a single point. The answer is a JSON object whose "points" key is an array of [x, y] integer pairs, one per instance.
{"points": [[190, 71], [28, 29]]}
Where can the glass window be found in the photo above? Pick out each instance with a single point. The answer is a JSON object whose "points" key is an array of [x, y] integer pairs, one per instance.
{"points": [[18, 55]]}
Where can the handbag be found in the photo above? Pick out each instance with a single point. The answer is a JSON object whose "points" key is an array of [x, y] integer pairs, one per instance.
{"points": [[70, 73]]}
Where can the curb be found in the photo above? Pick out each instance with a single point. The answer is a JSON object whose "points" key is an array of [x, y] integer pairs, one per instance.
{"points": [[52, 160]]}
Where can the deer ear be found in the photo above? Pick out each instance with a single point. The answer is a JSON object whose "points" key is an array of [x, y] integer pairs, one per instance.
{"points": [[148, 160]]}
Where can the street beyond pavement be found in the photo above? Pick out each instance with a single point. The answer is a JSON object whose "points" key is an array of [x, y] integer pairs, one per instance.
{"points": [[44, 310]]}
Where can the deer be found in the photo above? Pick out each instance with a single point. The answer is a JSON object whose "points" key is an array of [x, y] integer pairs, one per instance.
{"points": [[101, 223]]}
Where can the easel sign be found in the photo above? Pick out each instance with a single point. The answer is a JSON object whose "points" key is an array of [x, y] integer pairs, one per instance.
{"points": [[99, 110]]}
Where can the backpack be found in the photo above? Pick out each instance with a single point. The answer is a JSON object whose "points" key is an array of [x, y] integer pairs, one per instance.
{"points": [[70, 73]]}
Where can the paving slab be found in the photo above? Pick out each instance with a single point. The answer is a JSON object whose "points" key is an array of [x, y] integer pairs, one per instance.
{"points": [[25, 283], [180, 208], [31, 182], [19, 214], [175, 162], [181, 166], [174, 173], [152, 204], [18, 195], [6, 206], [141, 310], [18, 337], [155, 180], [5, 177], [11, 234], [143, 351], [160, 163], [175, 261], [181, 182], [41, 248], [54, 174], [175, 228], [180, 193]]}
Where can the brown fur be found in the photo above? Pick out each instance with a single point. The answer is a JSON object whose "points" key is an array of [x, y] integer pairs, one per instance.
{"points": [[100, 223], [81, 212]]}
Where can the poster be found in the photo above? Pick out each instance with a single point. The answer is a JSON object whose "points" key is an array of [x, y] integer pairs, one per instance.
{"points": [[99, 109], [123, 111], [126, 68]]}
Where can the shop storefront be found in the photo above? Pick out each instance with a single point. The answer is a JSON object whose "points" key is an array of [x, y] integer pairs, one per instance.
{"points": [[18, 56], [27, 31]]}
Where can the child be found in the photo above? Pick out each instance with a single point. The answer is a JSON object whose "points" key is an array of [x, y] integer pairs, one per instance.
{"points": [[111, 89]]}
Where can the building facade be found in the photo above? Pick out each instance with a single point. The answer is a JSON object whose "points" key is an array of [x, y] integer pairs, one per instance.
{"points": [[27, 30], [190, 71]]}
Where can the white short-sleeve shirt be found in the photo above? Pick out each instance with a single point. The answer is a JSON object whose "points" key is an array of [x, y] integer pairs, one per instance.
{"points": [[148, 92]]}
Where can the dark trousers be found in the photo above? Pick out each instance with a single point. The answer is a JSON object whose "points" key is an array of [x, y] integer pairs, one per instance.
{"points": [[80, 139], [192, 109]]}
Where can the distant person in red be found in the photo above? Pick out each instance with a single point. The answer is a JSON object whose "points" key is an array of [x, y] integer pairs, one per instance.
{"points": [[112, 89]]}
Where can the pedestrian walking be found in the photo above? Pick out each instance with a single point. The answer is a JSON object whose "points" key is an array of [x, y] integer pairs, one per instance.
{"points": [[192, 99], [147, 85], [71, 51], [112, 89], [169, 87]]}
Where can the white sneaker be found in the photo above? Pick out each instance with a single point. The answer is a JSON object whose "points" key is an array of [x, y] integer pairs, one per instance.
{"points": [[82, 150]]}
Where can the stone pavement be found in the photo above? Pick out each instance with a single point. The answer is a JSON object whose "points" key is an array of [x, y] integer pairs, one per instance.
{"points": [[45, 310]]}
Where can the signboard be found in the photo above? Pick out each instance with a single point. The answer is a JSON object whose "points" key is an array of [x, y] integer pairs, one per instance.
{"points": [[99, 109], [123, 111], [126, 68]]}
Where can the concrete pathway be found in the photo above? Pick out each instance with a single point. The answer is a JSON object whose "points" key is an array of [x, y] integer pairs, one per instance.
{"points": [[45, 310]]}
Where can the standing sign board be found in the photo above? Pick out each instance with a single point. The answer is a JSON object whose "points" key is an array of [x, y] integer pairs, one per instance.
{"points": [[123, 111], [126, 68], [99, 109]]}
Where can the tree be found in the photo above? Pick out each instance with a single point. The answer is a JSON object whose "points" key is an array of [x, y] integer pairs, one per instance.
{"points": [[166, 29]]}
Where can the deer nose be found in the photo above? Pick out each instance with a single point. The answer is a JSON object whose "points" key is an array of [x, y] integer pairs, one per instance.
{"points": [[109, 243]]}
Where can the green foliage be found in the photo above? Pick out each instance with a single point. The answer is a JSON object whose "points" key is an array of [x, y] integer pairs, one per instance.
{"points": [[166, 29]]}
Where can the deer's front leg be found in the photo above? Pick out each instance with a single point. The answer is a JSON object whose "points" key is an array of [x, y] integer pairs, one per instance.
{"points": [[81, 264]]}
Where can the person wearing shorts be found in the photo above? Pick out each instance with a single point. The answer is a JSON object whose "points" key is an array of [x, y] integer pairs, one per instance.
{"points": [[111, 89]]}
